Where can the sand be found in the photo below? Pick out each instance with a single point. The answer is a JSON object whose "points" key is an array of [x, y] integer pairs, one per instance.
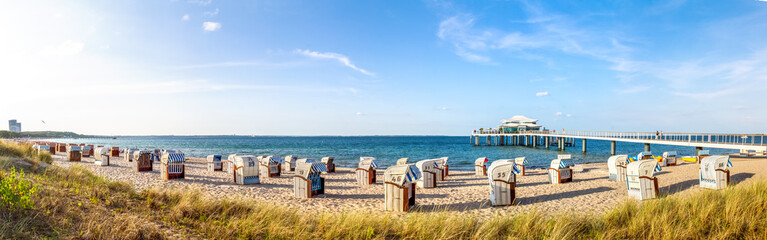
{"points": [[462, 192]]}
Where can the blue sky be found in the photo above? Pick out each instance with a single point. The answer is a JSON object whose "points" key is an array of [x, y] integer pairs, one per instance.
{"points": [[382, 67]]}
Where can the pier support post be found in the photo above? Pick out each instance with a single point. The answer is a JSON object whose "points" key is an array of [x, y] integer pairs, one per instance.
{"points": [[584, 145], [561, 143], [487, 141], [646, 147], [546, 142], [501, 141], [535, 141], [612, 148], [697, 150]]}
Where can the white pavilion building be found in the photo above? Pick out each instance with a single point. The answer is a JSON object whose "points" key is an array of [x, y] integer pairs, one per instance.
{"points": [[519, 123]]}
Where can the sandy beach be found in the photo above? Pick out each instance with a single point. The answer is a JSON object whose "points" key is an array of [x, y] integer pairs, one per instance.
{"points": [[590, 191]]}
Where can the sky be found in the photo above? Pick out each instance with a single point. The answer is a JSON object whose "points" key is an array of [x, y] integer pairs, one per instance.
{"points": [[210, 67]]}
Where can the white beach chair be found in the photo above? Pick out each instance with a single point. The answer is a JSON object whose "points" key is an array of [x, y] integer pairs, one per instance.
{"points": [[559, 171], [616, 166], [428, 173], [366, 171], [328, 161], [439, 170], [503, 182], [480, 166], [445, 167], [399, 187], [714, 173], [214, 163], [172, 166], [644, 156], [270, 166], [101, 156], [402, 161], [669, 158], [521, 162], [228, 165], [308, 180], [246, 170], [640, 181], [289, 163], [128, 154]]}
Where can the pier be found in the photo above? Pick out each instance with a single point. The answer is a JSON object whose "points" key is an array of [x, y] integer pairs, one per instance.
{"points": [[561, 140]]}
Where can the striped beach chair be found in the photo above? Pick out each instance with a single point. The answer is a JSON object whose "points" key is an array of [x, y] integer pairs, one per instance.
{"points": [[521, 162], [503, 182], [714, 173], [172, 166], [399, 187], [428, 173], [270, 166], [640, 181], [214, 163], [86, 150], [480, 166], [142, 160], [308, 180], [616, 166], [246, 170], [366, 171], [559, 170]]}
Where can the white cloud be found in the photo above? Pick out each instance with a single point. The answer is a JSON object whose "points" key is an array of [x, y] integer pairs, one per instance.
{"points": [[558, 114], [360, 114], [353, 90], [568, 115], [67, 48], [211, 26], [444, 108], [211, 14], [335, 56], [633, 89], [185, 17], [541, 94]]}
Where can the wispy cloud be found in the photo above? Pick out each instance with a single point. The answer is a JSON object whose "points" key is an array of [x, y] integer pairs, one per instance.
{"points": [[558, 114], [211, 13], [335, 56], [541, 94], [185, 17], [634, 89], [211, 26], [239, 64]]}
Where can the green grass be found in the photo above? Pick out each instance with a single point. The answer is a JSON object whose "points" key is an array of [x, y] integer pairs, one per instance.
{"points": [[75, 203]]}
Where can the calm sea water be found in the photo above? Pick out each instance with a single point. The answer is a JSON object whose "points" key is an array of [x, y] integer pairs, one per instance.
{"points": [[387, 149]]}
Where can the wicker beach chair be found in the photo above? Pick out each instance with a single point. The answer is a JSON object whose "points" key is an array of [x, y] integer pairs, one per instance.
{"points": [[246, 170], [366, 171], [616, 166], [669, 158], [428, 173], [308, 180], [172, 166], [399, 187], [503, 182], [74, 153], [214, 163], [559, 171], [402, 161], [329, 163], [640, 181], [289, 163], [521, 162], [270, 166], [142, 160], [480, 166], [714, 173]]}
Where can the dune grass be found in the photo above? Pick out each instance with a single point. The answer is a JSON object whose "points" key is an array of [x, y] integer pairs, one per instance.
{"points": [[75, 203]]}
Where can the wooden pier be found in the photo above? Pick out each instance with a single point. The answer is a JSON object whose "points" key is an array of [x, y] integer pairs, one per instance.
{"points": [[743, 142]]}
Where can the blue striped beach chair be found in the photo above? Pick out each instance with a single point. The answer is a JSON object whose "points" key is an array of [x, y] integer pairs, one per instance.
{"points": [[308, 180], [399, 187], [640, 182], [172, 166], [503, 182], [714, 173]]}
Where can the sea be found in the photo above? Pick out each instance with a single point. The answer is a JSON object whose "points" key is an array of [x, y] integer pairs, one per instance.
{"points": [[386, 149]]}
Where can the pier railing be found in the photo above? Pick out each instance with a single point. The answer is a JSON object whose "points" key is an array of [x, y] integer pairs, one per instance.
{"points": [[716, 138]]}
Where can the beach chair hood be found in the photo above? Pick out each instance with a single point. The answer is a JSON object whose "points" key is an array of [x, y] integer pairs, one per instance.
{"points": [[521, 161], [402, 161], [428, 165], [311, 168], [173, 158], [481, 161], [402, 174], [615, 161]]}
